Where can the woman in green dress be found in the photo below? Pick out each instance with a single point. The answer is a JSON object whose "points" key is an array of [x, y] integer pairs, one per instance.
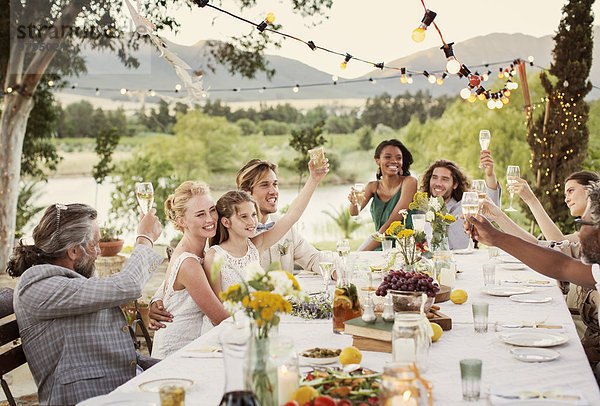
{"points": [[391, 192]]}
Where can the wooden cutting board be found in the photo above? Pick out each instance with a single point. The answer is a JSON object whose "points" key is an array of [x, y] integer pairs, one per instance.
{"points": [[444, 294]]}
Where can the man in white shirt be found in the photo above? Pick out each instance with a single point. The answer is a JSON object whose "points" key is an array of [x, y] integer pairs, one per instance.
{"points": [[444, 178], [259, 178]]}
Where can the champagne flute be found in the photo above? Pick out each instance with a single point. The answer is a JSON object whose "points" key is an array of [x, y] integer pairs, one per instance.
{"points": [[326, 264], [469, 205], [359, 192], [343, 248], [145, 196], [512, 171], [478, 186], [484, 140]]}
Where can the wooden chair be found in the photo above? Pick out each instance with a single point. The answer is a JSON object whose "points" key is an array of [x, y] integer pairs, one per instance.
{"points": [[9, 332], [139, 322]]}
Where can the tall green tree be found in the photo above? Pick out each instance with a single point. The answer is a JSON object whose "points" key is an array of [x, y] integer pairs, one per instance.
{"points": [[59, 29], [559, 136]]}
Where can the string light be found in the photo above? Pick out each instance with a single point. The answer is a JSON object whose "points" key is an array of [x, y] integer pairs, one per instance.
{"points": [[403, 78], [50, 83], [465, 93], [123, 91], [452, 64], [418, 34], [263, 25], [440, 80], [344, 64], [296, 89]]}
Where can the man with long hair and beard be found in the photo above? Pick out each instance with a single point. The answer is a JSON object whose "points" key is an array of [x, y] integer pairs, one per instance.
{"points": [[75, 336]]}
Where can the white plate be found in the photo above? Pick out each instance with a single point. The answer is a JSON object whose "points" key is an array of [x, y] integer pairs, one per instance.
{"points": [[154, 385], [507, 259], [532, 338], [529, 354], [123, 399], [530, 298], [513, 267], [464, 251], [319, 361], [506, 290]]}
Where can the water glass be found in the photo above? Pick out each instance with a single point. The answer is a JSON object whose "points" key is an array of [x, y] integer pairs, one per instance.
{"points": [[492, 252], [480, 317], [470, 374], [386, 246], [317, 155], [418, 221], [489, 273]]}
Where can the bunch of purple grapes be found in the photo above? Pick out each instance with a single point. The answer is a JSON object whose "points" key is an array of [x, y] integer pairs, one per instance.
{"points": [[410, 281]]}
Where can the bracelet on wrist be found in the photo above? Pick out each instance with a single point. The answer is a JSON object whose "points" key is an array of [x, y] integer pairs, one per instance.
{"points": [[147, 237]]}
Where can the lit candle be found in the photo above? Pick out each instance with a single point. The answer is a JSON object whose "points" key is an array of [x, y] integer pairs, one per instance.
{"points": [[287, 383]]}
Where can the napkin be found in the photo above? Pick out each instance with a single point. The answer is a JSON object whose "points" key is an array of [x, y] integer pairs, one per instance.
{"points": [[528, 282], [523, 396]]}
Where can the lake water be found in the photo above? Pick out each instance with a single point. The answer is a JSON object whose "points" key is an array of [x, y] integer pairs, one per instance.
{"points": [[314, 224]]}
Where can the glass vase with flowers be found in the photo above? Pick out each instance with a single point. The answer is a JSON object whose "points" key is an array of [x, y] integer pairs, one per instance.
{"points": [[261, 295]]}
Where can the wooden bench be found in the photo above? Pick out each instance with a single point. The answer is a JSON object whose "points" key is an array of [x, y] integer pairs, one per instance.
{"points": [[9, 332]]}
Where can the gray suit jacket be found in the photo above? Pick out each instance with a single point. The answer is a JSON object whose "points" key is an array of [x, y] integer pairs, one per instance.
{"points": [[74, 334]]}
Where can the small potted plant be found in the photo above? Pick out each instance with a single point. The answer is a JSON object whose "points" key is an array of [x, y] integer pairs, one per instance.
{"points": [[110, 241]]}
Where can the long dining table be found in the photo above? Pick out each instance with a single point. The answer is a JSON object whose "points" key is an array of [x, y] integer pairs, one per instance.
{"points": [[501, 373]]}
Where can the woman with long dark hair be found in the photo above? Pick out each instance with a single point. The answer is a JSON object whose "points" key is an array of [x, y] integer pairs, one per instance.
{"points": [[393, 190]]}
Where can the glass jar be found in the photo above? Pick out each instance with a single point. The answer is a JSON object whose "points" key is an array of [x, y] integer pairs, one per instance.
{"points": [[234, 342], [346, 304], [285, 360], [411, 339], [401, 384]]}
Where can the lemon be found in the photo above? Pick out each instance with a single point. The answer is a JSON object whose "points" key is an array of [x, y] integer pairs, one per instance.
{"points": [[340, 291], [304, 394], [458, 296], [350, 355], [437, 332], [342, 301]]}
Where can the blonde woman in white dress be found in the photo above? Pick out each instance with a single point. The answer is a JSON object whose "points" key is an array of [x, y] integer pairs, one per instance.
{"points": [[186, 292]]}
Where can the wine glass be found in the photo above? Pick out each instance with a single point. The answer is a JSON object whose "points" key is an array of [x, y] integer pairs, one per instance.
{"points": [[343, 248], [359, 193], [469, 205], [478, 186], [512, 171], [484, 140], [326, 264], [145, 196]]}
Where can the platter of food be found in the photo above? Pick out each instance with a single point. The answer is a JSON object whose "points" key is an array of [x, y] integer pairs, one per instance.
{"points": [[320, 356], [359, 386]]}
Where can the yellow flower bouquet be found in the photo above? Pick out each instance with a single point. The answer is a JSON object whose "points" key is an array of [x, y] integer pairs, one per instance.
{"points": [[437, 214]]}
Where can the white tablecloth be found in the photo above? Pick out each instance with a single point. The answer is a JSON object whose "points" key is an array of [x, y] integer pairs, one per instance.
{"points": [[571, 369]]}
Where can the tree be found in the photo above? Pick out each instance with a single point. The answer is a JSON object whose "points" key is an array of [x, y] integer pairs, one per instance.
{"points": [[106, 142], [344, 220], [53, 33], [302, 140], [558, 138]]}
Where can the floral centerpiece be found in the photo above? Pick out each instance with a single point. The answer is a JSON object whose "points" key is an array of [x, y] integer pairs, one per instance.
{"points": [[410, 243], [437, 214], [261, 295]]}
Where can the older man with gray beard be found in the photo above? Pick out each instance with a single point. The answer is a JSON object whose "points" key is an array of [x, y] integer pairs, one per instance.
{"points": [[75, 336]]}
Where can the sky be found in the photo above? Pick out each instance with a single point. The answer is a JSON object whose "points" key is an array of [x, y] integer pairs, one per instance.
{"points": [[374, 30]]}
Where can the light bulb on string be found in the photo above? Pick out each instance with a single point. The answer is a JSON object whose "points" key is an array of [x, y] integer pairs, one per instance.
{"points": [[506, 74], [500, 73], [344, 64], [499, 103], [486, 76], [506, 92], [410, 79], [373, 81], [465, 93], [97, 92], [403, 78], [50, 83], [123, 91], [268, 19], [480, 93], [440, 80], [530, 59], [418, 34], [452, 65], [504, 100], [296, 88], [177, 88], [474, 80], [9, 89], [152, 93], [335, 79], [472, 98]]}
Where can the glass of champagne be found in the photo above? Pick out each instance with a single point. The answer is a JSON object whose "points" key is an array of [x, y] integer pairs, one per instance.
{"points": [[470, 205], [478, 186], [512, 171], [343, 248], [145, 196], [359, 192], [326, 264], [484, 140]]}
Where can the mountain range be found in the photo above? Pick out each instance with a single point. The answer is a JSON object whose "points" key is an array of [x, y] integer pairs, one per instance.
{"points": [[105, 71]]}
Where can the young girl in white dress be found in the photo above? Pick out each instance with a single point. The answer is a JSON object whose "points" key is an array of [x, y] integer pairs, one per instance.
{"points": [[236, 236], [186, 292]]}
